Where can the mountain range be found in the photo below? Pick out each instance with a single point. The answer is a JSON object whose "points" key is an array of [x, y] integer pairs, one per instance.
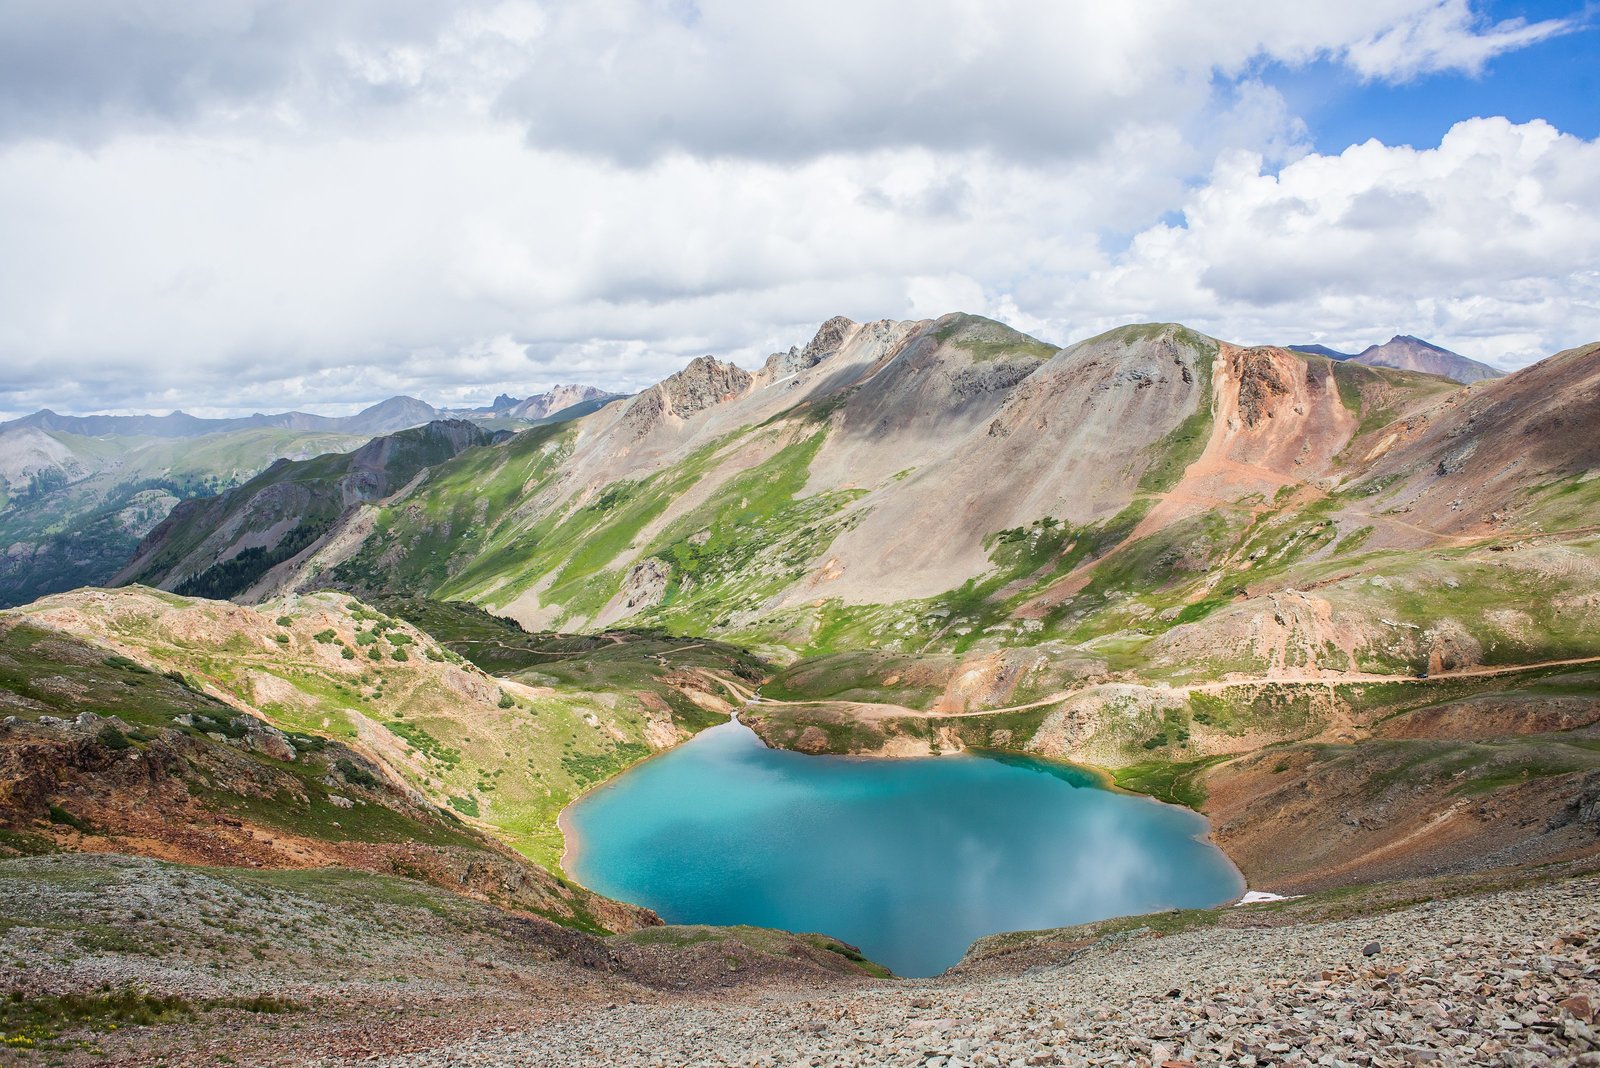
{"points": [[384, 417], [1151, 545], [1345, 610], [1406, 353], [77, 492]]}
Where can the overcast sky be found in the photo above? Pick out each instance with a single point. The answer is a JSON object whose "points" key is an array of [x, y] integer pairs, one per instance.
{"points": [[246, 205]]}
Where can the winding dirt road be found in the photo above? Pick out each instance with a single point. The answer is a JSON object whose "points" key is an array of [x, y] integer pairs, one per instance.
{"points": [[877, 710]]}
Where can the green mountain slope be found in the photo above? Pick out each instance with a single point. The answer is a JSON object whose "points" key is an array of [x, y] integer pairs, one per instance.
{"points": [[506, 753], [102, 751], [73, 508], [221, 546]]}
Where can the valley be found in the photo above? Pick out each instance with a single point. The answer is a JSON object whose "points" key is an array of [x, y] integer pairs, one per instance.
{"points": [[1344, 611], [78, 493]]}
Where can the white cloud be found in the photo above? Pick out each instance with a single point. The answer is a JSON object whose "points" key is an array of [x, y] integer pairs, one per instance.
{"points": [[1488, 241], [635, 79], [1445, 36], [251, 204]]}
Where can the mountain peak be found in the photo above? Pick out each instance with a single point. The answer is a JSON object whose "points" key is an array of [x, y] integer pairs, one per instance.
{"points": [[704, 383], [829, 339], [555, 399], [1405, 352], [1321, 350]]}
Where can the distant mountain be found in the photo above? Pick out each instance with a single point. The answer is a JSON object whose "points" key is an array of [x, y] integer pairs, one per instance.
{"points": [[32, 462], [221, 546], [1406, 353], [385, 417], [1321, 350], [73, 507], [556, 399]]}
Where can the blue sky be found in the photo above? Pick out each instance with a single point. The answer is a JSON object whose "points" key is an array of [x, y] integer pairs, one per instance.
{"points": [[251, 205], [1557, 80]]}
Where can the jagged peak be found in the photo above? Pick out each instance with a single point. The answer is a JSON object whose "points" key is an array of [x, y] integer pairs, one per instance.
{"points": [[704, 383], [828, 340]]}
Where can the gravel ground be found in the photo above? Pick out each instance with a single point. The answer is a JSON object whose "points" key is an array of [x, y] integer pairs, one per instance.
{"points": [[1511, 978]]}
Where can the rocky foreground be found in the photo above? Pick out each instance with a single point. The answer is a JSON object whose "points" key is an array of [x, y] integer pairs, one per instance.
{"points": [[1510, 978], [125, 961]]}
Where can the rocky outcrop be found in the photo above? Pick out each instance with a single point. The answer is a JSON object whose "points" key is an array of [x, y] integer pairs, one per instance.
{"points": [[646, 584], [1260, 380], [705, 383], [830, 338]]}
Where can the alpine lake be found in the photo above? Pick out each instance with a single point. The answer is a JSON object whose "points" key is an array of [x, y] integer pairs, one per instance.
{"points": [[909, 859]]}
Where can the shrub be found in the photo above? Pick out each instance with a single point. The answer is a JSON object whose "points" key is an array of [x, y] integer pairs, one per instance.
{"points": [[284, 621], [506, 700], [62, 817], [354, 773], [112, 738]]}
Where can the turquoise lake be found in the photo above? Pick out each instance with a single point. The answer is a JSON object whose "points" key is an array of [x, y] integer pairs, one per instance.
{"points": [[909, 859]]}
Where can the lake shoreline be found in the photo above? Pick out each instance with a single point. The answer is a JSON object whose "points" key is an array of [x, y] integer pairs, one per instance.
{"points": [[570, 841], [571, 847], [1038, 842]]}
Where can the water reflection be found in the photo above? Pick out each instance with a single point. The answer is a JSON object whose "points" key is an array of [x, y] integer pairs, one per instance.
{"points": [[909, 859]]}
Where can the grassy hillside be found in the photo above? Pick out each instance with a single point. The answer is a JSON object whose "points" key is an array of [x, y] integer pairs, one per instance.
{"points": [[103, 752], [221, 546], [505, 754]]}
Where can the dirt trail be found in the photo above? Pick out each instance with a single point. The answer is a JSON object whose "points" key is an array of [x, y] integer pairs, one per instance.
{"points": [[740, 693], [1330, 679]]}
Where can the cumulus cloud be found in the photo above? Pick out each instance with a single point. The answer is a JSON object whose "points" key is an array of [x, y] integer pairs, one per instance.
{"points": [[1488, 240], [1446, 36], [251, 204], [634, 79], [1025, 78]]}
